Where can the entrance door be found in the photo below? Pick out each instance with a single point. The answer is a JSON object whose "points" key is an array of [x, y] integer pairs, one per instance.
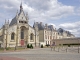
{"points": [[23, 35], [22, 42]]}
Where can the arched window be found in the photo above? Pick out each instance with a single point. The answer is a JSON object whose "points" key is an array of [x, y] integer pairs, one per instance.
{"points": [[12, 36], [31, 36], [22, 33]]}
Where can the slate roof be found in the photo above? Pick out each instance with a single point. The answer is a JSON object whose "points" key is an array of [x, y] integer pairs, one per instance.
{"points": [[61, 31], [14, 21]]}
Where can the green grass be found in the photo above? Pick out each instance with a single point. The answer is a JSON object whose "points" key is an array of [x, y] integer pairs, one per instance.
{"points": [[11, 49]]}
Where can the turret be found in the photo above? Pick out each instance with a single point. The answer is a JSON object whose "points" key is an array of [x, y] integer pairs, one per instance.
{"points": [[35, 26], [17, 14], [46, 26], [6, 24], [27, 18]]}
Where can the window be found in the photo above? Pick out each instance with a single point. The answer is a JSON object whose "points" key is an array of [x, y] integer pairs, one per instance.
{"points": [[50, 37], [53, 37], [22, 22], [46, 42], [19, 21], [31, 36], [12, 36], [22, 33], [45, 36], [45, 32], [25, 22]]}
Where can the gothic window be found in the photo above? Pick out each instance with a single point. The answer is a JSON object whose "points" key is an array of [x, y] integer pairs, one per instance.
{"points": [[21, 21], [22, 33], [31, 36], [25, 22], [12, 36]]}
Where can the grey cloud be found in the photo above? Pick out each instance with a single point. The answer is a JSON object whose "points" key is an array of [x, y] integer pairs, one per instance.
{"points": [[38, 4], [39, 10]]}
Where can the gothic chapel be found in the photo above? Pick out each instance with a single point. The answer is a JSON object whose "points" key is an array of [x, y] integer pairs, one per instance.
{"points": [[19, 32]]}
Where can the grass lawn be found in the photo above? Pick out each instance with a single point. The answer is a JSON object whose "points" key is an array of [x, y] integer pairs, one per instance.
{"points": [[12, 49]]}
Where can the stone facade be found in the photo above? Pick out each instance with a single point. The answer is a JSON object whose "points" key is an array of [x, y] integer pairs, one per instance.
{"points": [[18, 32], [47, 33]]}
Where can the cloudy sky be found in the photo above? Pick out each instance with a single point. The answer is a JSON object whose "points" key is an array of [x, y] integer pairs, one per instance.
{"points": [[60, 13]]}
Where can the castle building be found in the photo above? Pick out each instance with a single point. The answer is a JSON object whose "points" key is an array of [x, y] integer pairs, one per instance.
{"points": [[47, 33], [19, 33]]}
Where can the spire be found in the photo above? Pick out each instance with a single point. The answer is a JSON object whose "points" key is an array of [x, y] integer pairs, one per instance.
{"points": [[8, 21], [21, 8], [5, 21], [34, 24], [17, 13], [27, 16]]}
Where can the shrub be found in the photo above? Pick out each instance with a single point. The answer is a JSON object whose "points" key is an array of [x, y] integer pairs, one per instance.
{"points": [[7, 48], [31, 46], [68, 45], [41, 46], [47, 45], [28, 46]]}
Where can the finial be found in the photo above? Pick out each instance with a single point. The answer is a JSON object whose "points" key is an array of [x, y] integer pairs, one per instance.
{"points": [[17, 13], [8, 21], [34, 21], [21, 8], [5, 21]]}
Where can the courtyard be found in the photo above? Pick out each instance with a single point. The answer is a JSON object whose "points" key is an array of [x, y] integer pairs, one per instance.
{"points": [[42, 54]]}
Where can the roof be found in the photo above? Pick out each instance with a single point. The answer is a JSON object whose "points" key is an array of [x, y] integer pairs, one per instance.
{"points": [[14, 21]]}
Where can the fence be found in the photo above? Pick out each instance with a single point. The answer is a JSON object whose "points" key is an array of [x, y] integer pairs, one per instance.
{"points": [[71, 49]]}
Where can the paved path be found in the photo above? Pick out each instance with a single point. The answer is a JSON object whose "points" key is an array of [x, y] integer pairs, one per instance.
{"points": [[42, 54], [9, 58]]}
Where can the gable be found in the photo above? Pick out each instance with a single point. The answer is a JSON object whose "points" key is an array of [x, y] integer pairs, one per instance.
{"points": [[22, 17]]}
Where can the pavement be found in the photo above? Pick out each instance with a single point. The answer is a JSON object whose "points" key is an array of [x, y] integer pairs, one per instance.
{"points": [[9, 58], [41, 54]]}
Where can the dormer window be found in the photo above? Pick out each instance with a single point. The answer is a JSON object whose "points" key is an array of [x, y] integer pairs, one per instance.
{"points": [[22, 22]]}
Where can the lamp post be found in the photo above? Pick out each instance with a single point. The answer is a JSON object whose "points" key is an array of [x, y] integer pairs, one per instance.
{"points": [[35, 37], [26, 41], [6, 38], [78, 45]]}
